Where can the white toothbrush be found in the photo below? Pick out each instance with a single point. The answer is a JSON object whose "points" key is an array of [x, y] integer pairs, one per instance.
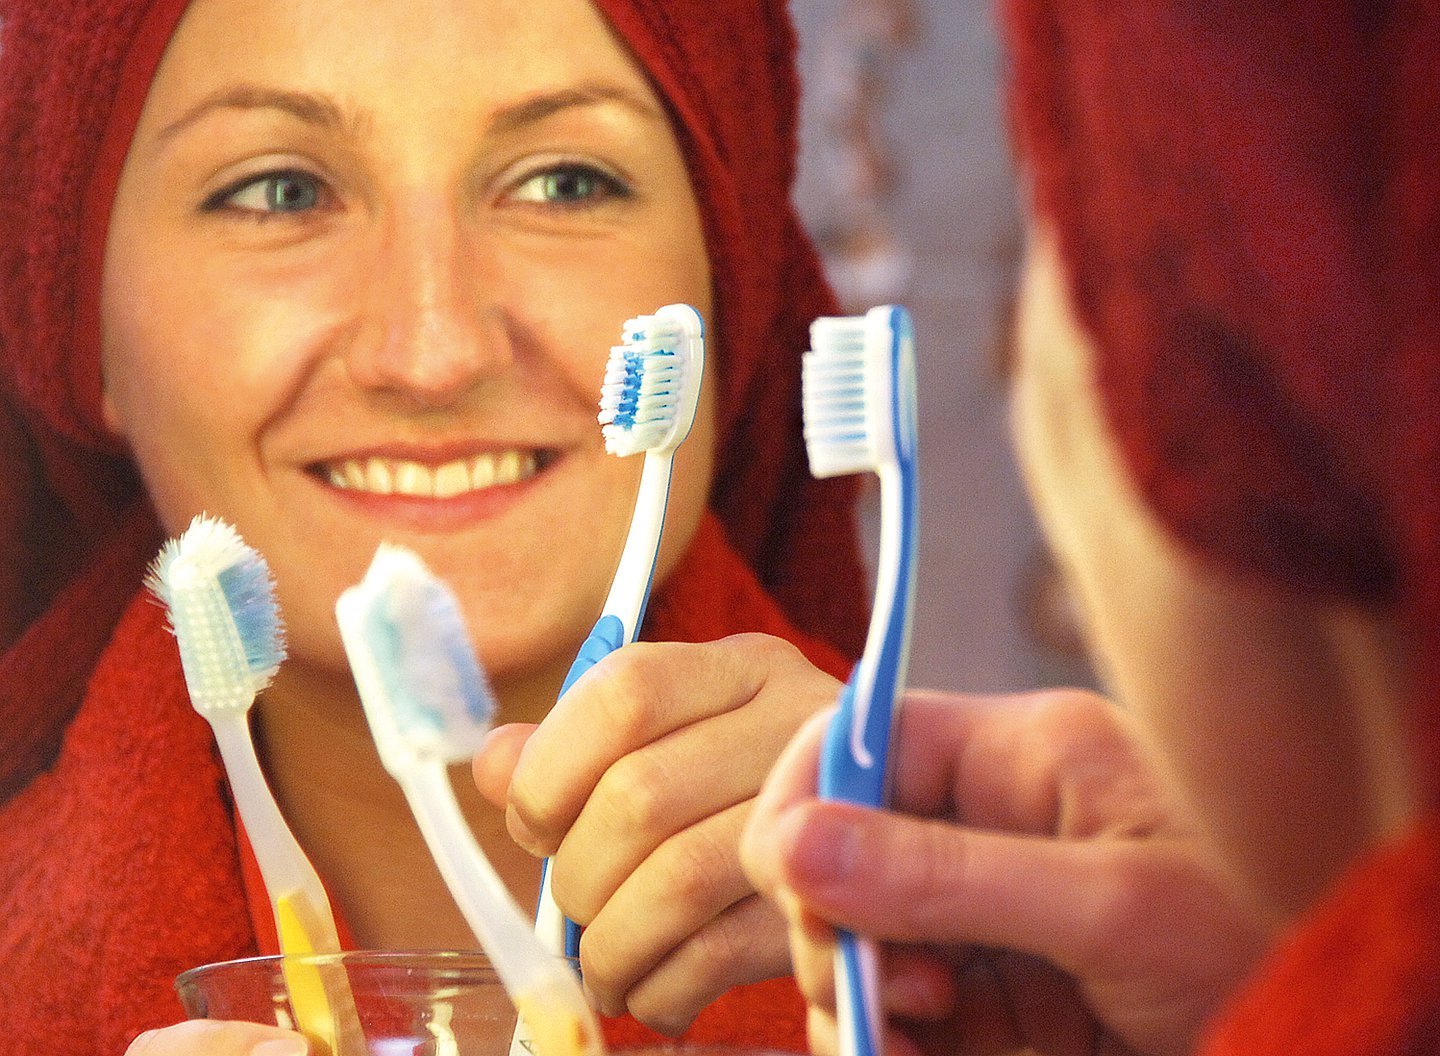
{"points": [[429, 705], [648, 400], [221, 601], [860, 416]]}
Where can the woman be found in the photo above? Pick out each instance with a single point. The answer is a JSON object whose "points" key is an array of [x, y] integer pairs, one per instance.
{"points": [[343, 272], [1225, 403]]}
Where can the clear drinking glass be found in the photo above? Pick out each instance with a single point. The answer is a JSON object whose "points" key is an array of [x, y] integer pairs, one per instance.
{"points": [[426, 1003], [405, 1002]]}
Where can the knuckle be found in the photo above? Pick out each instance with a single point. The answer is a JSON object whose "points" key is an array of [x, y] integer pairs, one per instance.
{"points": [[1070, 724], [634, 793], [629, 696], [753, 644], [1119, 904], [699, 871]]}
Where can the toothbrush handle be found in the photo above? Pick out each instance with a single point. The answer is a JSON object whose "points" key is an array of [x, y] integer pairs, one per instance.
{"points": [[853, 770], [283, 864], [857, 995], [561, 934]]}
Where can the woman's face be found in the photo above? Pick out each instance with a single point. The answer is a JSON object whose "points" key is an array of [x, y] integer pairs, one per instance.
{"points": [[1243, 689], [365, 265]]}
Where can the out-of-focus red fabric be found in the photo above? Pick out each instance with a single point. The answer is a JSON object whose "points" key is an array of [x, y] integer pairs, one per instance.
{"points": [[1247, 202]]}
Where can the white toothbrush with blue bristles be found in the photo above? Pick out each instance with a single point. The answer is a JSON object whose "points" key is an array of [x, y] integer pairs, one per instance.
{"points": [[429, 705], [860, 416], [648, 400], [221, 601]]}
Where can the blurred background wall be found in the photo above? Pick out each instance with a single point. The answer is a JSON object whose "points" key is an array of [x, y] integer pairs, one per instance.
{"points": [[907, 184]]}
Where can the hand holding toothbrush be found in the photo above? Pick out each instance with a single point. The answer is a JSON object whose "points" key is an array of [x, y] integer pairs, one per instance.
{"points": [[1030, 847], [639, 782]]}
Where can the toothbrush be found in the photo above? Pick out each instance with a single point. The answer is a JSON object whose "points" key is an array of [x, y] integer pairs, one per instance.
{"points": [[647, 404], [429, 704], [221, 601], [860, 416]]}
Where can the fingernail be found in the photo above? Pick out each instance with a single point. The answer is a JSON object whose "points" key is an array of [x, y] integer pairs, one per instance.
{"points": [[281, 1047], [824, 849], [522, 833], [599, 1004]]}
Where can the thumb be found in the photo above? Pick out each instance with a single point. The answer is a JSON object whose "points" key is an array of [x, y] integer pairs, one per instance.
{"points": [[495, 762], [906, 879]]}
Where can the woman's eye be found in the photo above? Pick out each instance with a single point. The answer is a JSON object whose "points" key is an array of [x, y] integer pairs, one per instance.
{"points": [[273, 192], [571, 185]]}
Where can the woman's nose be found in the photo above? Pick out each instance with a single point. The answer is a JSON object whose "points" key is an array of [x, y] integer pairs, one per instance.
{"points": [[432, 332]]}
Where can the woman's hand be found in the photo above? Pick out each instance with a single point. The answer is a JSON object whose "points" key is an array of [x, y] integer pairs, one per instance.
{"points": [[206, 1037], [1034, 886], [639, 783]]}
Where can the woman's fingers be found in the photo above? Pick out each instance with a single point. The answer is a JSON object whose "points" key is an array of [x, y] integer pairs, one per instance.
{"points": [[634, 700], [710, 961], [638, 784], [494, 764], [947, 884], [674, 894], [204, 1037]]}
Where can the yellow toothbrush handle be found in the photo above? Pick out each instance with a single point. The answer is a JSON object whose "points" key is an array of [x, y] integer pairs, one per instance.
{"points": [[321, 1000], [549, 1028]]}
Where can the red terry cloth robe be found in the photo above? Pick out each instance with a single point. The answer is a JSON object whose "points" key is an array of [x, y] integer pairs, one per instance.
{"points": [[126, 851]]}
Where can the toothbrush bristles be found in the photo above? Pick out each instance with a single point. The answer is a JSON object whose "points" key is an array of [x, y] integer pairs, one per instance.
{"points": [[838, 435], [647, 384], [221, 601]]}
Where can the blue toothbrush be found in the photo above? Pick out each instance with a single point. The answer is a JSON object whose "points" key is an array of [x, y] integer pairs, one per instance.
{"points": [[860, 416], [647, 404]]}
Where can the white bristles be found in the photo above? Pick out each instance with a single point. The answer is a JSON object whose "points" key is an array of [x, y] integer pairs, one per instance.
{"points": [[845, 378], [222, 606], [652, 382], [423, 689]]}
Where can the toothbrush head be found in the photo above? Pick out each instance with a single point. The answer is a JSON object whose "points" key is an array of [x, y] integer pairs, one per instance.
{"points": [[221, 601], [423, 690], [859, 392], [652, 382]]}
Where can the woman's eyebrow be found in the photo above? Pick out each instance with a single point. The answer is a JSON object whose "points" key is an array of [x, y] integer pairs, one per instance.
{"points": [[324, 113], [536, 108], [312, 109]]}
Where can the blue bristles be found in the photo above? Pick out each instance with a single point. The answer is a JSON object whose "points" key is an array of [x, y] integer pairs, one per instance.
{"points": [[652, 382]]}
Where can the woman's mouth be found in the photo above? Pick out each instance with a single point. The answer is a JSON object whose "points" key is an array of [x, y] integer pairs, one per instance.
{"points": [[443, 480]]}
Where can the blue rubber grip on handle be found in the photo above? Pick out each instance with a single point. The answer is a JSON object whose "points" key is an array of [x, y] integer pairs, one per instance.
{"points": [[605, 637]]}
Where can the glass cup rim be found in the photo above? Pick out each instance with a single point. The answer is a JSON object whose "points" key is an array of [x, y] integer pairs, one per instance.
{"points": [[473, 962]]}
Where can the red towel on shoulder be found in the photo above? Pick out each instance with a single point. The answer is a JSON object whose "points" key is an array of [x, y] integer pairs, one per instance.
{"points": [[119, 864]]}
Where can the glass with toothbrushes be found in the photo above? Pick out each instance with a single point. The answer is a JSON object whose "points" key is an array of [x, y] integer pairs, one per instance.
{"points": [[419, 1003], [408, 1003]]}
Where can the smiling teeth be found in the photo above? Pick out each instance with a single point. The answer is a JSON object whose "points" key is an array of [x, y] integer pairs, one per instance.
{"points": [[390, 476]]}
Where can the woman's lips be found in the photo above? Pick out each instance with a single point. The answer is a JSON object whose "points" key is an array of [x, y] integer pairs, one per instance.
{"points": [[376, 475]]}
